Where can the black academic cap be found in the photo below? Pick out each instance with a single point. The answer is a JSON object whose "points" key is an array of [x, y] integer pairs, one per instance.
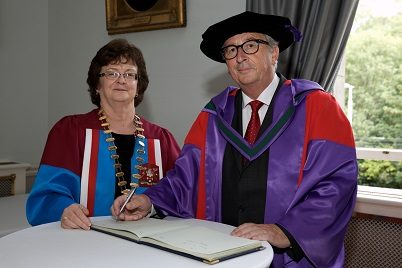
{"points": [[277, 27]]}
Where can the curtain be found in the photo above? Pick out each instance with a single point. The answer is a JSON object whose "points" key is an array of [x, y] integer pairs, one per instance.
{"points": [[325, 25]]}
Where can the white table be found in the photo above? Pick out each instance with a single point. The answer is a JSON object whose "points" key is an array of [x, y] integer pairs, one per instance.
{"points": [[12, 211], [49, 245]]}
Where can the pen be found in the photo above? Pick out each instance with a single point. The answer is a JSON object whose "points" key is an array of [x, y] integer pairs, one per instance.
{"points": [[127, 199]]}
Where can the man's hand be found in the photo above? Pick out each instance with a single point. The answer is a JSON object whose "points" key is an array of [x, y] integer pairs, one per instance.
{"points": [[138, 208], [268, 232], [75, 216]]}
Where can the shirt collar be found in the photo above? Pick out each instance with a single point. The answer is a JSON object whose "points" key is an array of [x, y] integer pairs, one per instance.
{"points": [[265, 96]]}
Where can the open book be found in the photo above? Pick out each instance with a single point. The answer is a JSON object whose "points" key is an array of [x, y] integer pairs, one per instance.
{"points": [[178, 236]]}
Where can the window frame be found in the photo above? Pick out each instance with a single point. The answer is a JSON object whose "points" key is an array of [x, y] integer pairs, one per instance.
{"points": [[371, 200]]}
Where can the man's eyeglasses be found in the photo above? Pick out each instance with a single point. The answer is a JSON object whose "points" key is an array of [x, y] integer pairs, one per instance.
{"points": [[116, 75], [249, 47]]}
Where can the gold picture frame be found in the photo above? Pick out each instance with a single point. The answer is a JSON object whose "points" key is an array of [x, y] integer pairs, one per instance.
{"points": [[124, 16]]}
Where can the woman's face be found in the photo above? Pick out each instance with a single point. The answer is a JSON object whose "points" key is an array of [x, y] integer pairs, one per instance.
{"points": [[118, 90]]}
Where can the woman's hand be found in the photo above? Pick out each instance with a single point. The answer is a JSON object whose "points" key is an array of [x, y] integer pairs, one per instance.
{"points": [[138, 208], [75, 216]]}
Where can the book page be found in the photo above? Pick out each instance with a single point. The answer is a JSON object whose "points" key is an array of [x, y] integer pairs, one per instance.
{"points": [[202, 240], [141, 228]]}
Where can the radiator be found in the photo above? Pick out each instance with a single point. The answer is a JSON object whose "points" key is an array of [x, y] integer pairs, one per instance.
{"points": [[373, 241], [7, 185]]}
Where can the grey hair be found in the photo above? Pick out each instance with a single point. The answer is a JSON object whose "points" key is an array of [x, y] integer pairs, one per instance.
{"points": [[272, 43]]}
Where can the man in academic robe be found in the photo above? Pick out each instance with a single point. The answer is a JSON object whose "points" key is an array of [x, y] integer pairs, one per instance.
{"points": [[294, 184]]}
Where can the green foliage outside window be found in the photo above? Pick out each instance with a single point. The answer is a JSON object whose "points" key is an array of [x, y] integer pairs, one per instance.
{"points": [[374, 68], [380, 173]]}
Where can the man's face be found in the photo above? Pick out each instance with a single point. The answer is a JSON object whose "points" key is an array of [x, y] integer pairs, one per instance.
{"points": [[253, 72]]}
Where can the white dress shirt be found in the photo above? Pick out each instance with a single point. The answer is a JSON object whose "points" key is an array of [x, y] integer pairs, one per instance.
{"points": [[265, 97]]}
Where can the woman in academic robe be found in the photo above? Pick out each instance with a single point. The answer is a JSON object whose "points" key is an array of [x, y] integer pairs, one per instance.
{"points": [[90, 159]]}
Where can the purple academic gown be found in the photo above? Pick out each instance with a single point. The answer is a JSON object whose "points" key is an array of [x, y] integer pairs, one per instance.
{"points": [[312, 170]]}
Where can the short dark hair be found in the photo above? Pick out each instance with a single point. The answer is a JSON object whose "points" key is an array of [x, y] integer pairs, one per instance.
{"points": [[117, 51]]}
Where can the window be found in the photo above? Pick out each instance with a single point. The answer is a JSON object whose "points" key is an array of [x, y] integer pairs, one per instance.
{"points": [[369, 87]]}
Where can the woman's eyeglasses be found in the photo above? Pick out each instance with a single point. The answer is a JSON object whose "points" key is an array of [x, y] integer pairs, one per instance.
{"points": [[116, 75]]}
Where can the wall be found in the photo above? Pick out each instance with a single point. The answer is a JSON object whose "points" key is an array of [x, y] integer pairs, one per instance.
{"points": [[24, 79], [52, 43]]}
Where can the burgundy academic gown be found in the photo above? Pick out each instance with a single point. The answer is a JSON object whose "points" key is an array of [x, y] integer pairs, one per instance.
{"points": [[312, 170], [59, 182]]}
